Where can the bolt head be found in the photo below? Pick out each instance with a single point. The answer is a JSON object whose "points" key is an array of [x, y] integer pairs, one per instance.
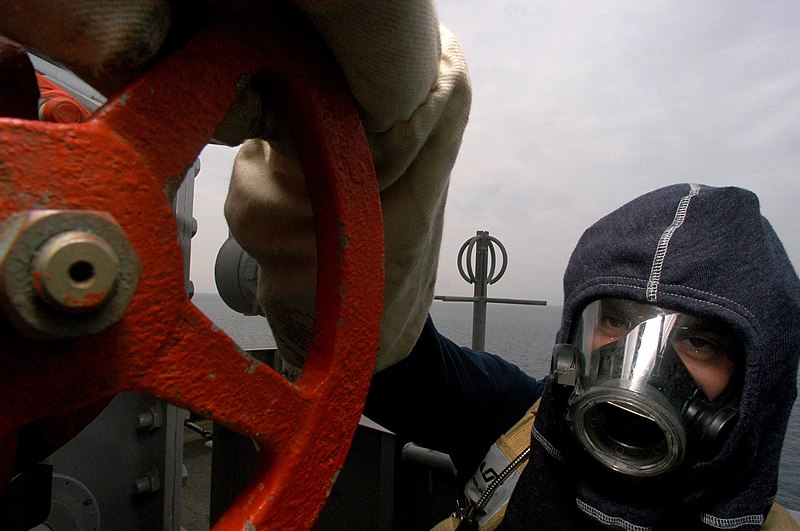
{"points": [[65, 273], [75, 271]]}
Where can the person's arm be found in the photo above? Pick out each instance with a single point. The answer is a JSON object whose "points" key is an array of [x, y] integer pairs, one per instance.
{"points": [[410, 80], [450, 398]]}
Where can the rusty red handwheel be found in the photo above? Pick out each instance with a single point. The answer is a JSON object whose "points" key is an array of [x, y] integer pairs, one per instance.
{"points": [[55, 179]]}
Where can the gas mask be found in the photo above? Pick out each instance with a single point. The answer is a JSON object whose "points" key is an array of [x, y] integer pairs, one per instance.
{"points": [[640, 387]]}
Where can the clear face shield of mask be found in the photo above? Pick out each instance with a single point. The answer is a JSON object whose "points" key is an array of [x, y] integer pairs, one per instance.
{"points": [[641, 386]]}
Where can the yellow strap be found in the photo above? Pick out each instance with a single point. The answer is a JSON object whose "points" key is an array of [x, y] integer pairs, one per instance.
{"points": [[779, 519], [448, 524], [512, 443]]}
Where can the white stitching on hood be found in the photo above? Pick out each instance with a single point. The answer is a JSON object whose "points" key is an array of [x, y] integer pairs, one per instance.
{"points": [[608, 520], [731, 523], [663, 242]]}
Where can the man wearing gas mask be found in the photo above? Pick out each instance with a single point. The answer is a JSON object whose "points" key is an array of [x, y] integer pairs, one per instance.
{"points": [[681, 310], [685, 407], [670, 388]]}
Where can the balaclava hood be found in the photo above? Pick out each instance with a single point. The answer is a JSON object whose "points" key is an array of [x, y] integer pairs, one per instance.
{"points": [[707, 251]]}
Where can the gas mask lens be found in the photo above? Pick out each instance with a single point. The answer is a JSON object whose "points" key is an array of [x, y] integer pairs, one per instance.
{"points": [[642, 385]]}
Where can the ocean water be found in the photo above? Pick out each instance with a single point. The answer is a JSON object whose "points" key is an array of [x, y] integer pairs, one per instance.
{"points": [[521, 334]]}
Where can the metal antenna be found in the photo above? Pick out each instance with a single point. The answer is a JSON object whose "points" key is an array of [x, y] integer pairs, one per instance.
{"points": [[481, 275]]}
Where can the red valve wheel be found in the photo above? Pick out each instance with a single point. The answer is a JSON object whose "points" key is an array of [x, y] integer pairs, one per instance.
{"points": [[122, 163]]}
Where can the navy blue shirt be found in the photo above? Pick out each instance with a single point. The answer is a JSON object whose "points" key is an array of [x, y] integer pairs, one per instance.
{"points": [[451, 399]]}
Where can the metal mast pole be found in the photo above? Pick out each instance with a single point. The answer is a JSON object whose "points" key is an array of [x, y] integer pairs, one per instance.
{"points": [[481, 283]]}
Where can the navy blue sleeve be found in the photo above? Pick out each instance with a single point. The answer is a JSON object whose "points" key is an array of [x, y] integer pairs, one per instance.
{"points": [[450, 398]]}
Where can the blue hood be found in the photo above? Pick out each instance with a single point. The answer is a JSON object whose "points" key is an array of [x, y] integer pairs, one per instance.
{"points": [[710, 252]]}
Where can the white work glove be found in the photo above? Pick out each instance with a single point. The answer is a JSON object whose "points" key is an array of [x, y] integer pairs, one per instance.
{"points": [[414, 96]]}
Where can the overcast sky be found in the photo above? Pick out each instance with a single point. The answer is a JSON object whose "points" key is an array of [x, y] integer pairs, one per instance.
{"points": [[581, 106]]}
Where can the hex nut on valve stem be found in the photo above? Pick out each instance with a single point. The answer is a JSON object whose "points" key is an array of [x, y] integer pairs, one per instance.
{"points": [[65, 273]]}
